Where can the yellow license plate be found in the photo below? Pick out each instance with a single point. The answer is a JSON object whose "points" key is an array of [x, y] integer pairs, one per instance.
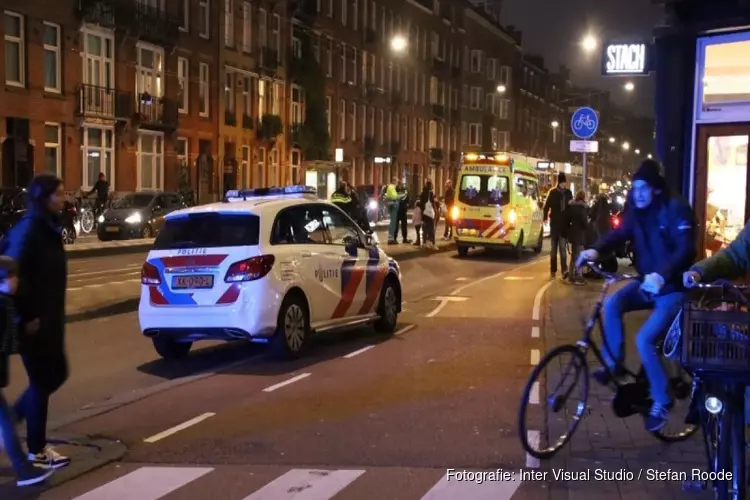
{"points": [[193, 281], [113, 229]]}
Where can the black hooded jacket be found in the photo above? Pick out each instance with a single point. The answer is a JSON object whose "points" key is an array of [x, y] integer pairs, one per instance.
{"points": [[556, 207]]}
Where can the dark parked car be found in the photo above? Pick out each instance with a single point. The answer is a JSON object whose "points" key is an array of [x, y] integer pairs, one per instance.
{"points": [[137, 215], [13, 207]]}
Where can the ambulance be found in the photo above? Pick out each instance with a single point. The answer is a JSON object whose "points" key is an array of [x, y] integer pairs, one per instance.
{"points": [[497, 204]]}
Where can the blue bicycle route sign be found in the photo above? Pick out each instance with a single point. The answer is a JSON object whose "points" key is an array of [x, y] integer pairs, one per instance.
{"points": [[584, 123]]}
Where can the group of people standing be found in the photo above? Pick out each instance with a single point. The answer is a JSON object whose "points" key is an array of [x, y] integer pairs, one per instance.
{"points": [[33, 282], [425, 215]]}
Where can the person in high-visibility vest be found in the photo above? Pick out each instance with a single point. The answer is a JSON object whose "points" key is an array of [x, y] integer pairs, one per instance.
{"points": [[392, 199], [342, 198]]}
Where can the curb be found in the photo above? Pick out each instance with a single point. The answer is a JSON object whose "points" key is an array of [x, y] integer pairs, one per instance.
{"points": [[107, 451]]}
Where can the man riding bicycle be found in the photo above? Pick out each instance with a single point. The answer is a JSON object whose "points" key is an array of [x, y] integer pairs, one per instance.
{"points": [[660, 227], [101, 188]]}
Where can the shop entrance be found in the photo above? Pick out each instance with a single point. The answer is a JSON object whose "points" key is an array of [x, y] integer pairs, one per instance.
{"points": [[722, 192]]}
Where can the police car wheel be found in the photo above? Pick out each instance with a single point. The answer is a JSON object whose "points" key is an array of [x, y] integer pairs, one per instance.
{"points": [[292, 330], [388, 308], [171, 349]]}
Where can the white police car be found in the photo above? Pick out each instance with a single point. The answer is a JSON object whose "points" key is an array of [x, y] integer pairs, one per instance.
{"points": [[266, 265]]}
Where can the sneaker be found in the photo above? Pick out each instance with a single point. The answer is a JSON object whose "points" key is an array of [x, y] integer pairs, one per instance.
{"points": [[33, 476], [657, 417], [49, 458]]}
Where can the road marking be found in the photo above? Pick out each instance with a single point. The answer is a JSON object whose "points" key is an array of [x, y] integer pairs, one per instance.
{"points": [[534, 394], [462, 279], [534, 332], [518, 278], [287, 382], [178, 428], [451, 299], [451, 487], [538, 301], [496, 275], [535, 354], [309, 484], [359, 351], [532, 437], [405, 329], [147, 483]]}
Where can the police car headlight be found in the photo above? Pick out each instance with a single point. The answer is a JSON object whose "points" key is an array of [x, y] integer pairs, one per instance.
{"points": [[373, 205], [134, 219], [100, 219]]}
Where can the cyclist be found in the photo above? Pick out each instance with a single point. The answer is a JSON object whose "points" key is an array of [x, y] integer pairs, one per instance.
{"points": [[730, 263], [661, 229], [101, 188]]}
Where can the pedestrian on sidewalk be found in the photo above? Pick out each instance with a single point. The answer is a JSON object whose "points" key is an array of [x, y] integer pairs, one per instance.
{"points": [[403, 205], [556, 211], [429, 212], [578, 225], [26, 473], [35, 243], [449, 194], [416, 219], [661, 227]]}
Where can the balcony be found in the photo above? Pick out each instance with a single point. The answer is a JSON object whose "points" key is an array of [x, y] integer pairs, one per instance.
{"points": [[230, 119], [270, 128], [395, 148], [137, 19], [438, 66], [104, 103], [369, 147], [436, 155], [438, 110], [157, 113], [247, 122], [269, 59]]}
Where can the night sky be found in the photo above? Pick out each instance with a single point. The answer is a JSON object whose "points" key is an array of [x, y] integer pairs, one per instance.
{"points": [[565, 22]]}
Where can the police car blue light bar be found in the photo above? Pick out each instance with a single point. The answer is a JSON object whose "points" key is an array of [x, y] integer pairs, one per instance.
{"points": [[245, 194]]}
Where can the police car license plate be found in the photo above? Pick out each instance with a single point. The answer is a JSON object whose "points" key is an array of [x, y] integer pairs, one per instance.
{"points": [[193, 281]]}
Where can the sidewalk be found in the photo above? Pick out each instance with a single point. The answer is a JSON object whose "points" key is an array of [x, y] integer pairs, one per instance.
{"points": [[603, 440]]}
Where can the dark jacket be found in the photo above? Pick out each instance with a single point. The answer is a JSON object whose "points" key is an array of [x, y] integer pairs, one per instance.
{"points": [[662, 237], [601, 216], [556, 207], [578, 221], [403, 200], [36, 245], [730, 263], [427, 196], [101, 188]]}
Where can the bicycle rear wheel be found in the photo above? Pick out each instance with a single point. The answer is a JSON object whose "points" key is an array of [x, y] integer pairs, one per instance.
{"points": [[543, 406]]}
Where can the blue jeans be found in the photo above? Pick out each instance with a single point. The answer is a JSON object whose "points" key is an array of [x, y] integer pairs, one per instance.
{"points": [[665, 307], [11, 442]]}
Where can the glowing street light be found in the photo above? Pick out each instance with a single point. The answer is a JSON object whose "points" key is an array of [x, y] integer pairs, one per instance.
{"points": [[555, 124], [501, 89], [589, 43], [625, 146], [649, 156], [611, 140], [637, 151], [630, 86], [398, 43]]}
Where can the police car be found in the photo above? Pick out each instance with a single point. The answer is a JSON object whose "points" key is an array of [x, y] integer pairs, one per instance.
{"points": [[270, 265]]}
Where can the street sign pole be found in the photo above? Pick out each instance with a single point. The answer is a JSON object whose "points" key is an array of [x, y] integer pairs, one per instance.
{"points": [[583, 183]]}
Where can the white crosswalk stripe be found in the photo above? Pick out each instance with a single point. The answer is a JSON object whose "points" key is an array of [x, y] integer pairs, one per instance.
{"points": [[157, 482]]}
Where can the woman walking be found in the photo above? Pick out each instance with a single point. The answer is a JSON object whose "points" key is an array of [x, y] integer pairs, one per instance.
{"points": [[429, 213], [35, 243]]}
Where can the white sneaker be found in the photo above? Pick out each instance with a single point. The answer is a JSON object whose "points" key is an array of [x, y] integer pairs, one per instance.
{"points": [[49, 458]]}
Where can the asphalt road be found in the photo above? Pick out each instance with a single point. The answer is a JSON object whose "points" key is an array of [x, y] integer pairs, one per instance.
{"points": [[391, 414]]}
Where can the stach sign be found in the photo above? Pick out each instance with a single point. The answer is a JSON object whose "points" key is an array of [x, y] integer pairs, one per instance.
{"points": [[626, 59]]}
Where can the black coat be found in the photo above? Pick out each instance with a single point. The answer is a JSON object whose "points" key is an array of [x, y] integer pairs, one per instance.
{"points": [[36, 245], [556, 207], [578, 222]]}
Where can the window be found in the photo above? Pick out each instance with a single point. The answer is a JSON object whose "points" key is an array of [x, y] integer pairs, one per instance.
{"points": [[149, 71], [355, 67], [503, 140], [262, 28], [342, 68], [330, 8], [504, 105], [329, 111], [329, 57], [475, 134], [344, 13], [203, 90], [204, 19], [245, 166], [276, 35], [371, 69], [363, 120], [15, 70], [52, 148], [51, 57], [209, 230], [339, 227], [490, 102], [98, 73], [260, 174], [184, 8], [355, 14], [381, 137], [491, 68], [183, 78], [505, 72], [229, 91], [262, 108], [247, 100], [353, 120], [484, 190], [493, 138], [476, 61], [150, 160], [432, 139], [98, 155], [342, 120], [475, 101], [181, 147], [247, 27], [371, 121], [229, 23], [420, 135], [297, 106]]}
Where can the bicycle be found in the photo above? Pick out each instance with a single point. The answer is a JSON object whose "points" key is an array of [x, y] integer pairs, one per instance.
{"points": [[631, 398], [584, 122], [712, 342]]}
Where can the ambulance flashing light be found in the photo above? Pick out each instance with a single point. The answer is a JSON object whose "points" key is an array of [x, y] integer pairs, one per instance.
{"points": [[499, 158]]}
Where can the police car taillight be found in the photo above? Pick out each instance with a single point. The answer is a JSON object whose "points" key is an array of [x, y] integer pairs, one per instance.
{"points": [[150, 275], [250, 269]]}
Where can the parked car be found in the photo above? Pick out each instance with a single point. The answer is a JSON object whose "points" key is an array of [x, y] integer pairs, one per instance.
{"points": [[137, 215], [13, 206]]}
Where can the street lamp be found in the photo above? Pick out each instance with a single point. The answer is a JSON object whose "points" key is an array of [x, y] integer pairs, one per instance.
{"points": [[625, 146], [588, 43], [637, 151], [629, 86], [555, 124], [501, 89], [611, 140], [649, 156], [398, 43]]}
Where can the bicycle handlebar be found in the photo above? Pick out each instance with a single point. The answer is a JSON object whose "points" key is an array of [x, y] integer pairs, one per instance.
{"points": [[608, 276], [723, 284]]}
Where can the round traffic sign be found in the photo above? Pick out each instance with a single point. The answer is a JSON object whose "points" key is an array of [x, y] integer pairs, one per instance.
{"points": [[584, 123]]}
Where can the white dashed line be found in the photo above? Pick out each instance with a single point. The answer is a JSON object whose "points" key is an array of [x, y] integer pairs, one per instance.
{"points": [[533, 439], [535, 357], [538, 301], [359, 351], [178, 428], [462, 279], [534, 332], [287, 382], [405, 329], [534, 394]]}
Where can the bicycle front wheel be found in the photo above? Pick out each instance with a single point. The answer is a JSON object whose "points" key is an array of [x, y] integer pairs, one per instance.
{"points": [[553, 401]]}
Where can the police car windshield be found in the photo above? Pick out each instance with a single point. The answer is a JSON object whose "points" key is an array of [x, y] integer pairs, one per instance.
{"points": [[484, 190], [209, 230]]}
